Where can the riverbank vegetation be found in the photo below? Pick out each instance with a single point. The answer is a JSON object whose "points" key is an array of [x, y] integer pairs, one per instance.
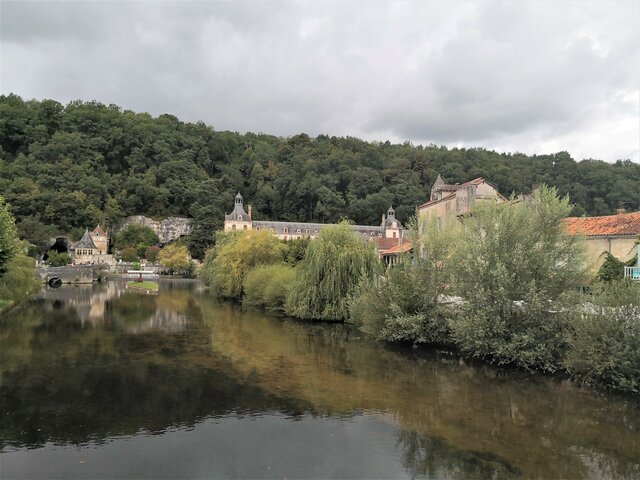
{"points": [[17, 274], [63, 167], [505, 288]]}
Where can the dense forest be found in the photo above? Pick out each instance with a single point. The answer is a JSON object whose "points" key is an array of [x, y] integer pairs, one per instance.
{"points": [[64, 168]]}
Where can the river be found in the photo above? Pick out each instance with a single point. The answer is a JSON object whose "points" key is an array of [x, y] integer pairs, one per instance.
{"points": [[100, 382]]}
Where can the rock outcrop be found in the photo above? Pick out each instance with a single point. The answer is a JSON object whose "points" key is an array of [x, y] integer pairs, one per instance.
{"points": [[169, 229]]}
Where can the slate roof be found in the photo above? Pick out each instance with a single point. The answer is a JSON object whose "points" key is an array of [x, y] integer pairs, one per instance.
{"points": [[84, 242], [610, 225]]}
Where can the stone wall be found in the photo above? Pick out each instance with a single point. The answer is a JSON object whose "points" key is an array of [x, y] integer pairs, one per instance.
{"points": [[169, 229], [68, 274]]}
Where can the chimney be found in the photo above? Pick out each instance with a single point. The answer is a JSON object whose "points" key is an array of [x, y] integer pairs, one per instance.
{"points": [[249, 212]]}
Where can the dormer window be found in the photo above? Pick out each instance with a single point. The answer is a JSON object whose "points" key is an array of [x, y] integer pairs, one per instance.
{"points": [[299, 231]]}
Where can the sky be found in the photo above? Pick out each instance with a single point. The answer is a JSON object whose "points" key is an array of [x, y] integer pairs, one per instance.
{"points": [[533, 77]]}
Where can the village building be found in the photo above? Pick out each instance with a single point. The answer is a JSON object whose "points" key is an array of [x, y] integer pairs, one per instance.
{"points": [[450, 202], [92, 248], [617, 235], [388, 234]]}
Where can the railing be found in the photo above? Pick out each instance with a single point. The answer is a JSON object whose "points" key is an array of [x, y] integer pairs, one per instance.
{"points": [[632, 272]]}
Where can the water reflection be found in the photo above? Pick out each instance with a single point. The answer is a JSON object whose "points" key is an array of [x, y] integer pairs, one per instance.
{"points": [[99, 364]]}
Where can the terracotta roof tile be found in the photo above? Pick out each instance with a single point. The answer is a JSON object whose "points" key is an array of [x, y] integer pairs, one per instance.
{"points": [[402, 248], [621, 224]]}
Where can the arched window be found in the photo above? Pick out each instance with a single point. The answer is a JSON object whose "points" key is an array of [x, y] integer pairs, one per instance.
{"points": [[240, 217]]}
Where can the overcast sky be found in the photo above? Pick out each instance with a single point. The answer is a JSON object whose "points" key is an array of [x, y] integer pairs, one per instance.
{"points": [[536, 77]]}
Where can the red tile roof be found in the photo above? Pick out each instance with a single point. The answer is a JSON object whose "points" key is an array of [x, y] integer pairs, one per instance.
{"points": [[403, 248], [621, 224], [383, 244]]}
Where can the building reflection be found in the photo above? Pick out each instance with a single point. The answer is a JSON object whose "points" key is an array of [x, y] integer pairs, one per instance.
{"points": [[112, 303]]}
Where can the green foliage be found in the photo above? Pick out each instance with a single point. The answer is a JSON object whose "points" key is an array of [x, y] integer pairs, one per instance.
{"points": [[515, 268], [235, 255], [268, 286], [37, 233], [175, 258], [604, 347], [617, 293], [129, 254], [20, 279], [296, 249], [404, 305], [613, 269], [56, 259], [90, 163], [151, 253], [8, 236], [333, 266], [136, 236]]}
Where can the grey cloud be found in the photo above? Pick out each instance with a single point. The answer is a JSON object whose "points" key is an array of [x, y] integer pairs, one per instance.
{"points": [[477, 73]]}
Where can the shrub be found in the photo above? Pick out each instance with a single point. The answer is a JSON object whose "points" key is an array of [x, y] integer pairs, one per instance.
{"points": [[56, 259], [515, 268], [404, 304], [613, 269], [268, 286], [333, 266], [235, 255], [604, 347]]}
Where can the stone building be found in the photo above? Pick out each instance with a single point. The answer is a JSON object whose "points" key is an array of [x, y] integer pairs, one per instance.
{"points": [[92, 248], [450, 202], [390, 228], [614, 234]]}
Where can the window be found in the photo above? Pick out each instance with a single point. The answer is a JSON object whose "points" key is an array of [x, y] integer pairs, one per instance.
{"points": [[298, 231], [315, 231], [257, 228], [240, 217], [271, 230], [308, 230], [285, 230]]}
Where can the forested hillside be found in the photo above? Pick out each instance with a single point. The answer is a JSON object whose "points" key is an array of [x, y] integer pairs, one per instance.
{"points": [[66, 167]]}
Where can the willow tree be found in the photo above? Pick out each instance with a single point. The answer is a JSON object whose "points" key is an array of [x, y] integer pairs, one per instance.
{"points": [[333, 266], [237, 253]]}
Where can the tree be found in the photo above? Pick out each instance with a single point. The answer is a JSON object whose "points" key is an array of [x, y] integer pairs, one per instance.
{"points": [[515, 269], [334, 265], [8, 236], [129, 254], [151, 254], [237, 253], [136, 236], [175, 258], [405, 304], [56, 259], [37, 233]]}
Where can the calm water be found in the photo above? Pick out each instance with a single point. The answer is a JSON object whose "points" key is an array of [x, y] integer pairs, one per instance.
{"points": [[98, 382]]}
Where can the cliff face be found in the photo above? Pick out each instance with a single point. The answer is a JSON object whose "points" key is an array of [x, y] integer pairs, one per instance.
{"points": [[169, 229]]}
